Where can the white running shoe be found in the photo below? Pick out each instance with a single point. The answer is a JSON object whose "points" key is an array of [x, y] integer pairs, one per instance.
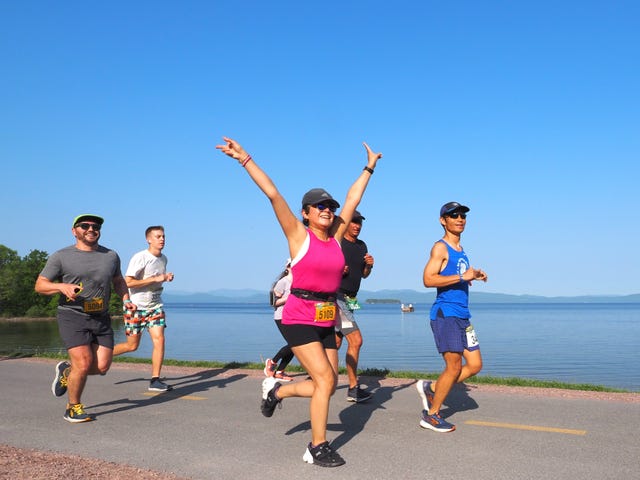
{"points": [[268, 384]]}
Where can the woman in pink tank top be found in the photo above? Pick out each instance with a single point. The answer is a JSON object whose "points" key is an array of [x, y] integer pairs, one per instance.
{"points": [[309, 314]]}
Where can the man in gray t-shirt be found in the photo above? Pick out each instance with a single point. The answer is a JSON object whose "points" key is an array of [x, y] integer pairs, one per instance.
{"points": [[83, 275]]}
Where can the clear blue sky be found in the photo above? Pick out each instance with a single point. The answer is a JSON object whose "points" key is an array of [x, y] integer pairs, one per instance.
{"points": [[528, 112]]}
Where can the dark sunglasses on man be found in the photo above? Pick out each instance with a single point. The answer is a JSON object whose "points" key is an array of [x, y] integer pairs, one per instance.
{"points": [[87, 226]]}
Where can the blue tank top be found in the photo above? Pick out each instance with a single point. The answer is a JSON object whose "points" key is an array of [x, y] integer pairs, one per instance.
{"points": [[453, 300]]}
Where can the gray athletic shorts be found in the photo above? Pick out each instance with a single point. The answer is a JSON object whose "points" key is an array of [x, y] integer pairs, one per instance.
{"points": [[78, 328], [346, 322]]}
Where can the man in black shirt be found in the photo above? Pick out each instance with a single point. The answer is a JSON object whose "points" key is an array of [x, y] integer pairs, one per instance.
{"points": [[358, 265]]}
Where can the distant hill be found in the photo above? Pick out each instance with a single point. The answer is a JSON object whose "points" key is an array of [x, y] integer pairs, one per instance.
{"points": [[404, 296], [217, 296]]}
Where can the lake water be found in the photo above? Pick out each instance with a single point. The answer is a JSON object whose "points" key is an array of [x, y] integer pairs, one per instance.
{"points": [[576, 343]]}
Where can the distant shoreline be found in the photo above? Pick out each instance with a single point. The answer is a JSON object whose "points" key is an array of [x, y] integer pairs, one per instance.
{"points": [[250, 296], [26, 319]]}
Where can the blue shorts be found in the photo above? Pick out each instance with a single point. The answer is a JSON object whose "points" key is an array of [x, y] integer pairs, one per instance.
{"points": [[451, 334]]}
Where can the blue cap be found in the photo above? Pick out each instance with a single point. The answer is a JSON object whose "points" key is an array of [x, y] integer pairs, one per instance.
{"points": [[451, 207]]}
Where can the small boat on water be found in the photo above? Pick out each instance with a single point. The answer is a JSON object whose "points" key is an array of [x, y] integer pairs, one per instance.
{"points": [[406, 308]]}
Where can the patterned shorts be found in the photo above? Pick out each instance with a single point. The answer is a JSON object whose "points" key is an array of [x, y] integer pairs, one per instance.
{"points": [[136, 322]]}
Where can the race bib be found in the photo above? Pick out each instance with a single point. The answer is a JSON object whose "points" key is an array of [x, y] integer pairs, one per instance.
{"points": [[352, 303], [472, 339], [94, 305], [325, 312]]}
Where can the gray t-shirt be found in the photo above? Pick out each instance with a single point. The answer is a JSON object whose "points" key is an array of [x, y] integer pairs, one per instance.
{"points": [[93, 270]]}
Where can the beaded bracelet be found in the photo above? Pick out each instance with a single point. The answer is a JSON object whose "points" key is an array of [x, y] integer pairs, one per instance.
{"points": [[370, 170]]}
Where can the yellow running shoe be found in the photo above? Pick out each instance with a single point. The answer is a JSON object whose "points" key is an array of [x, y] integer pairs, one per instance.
{"points": [[76, 414]]}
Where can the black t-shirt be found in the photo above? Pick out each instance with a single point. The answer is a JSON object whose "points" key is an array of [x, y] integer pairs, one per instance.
{"points": [[354, 253]]}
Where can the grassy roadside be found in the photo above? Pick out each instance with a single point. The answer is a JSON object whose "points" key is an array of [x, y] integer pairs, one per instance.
{"points": [[369, 372]]}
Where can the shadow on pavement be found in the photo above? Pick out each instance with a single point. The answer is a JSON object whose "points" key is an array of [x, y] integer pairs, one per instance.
{"points": [[354, 417], [458, 400], [182, 387]]}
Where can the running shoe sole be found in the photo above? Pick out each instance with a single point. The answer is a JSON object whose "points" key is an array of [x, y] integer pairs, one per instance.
{"points": [[267, 384], [437, 428], [77, 420], [85, 417], [420, 385]]}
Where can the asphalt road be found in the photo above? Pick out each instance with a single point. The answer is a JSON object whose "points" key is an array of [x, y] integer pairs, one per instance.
{"points": [[210, 427]]}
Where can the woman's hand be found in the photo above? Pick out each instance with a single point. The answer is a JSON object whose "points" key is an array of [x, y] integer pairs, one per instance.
{"points": [[372, 157], [233, 149]]}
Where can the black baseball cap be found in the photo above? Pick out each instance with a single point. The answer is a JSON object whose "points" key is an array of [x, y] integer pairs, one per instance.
{"points": [[318, 195], [357, 217]]}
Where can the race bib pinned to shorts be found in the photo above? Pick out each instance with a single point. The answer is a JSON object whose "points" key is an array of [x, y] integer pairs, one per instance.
{"points": [[93, 305], [352, 303], [472, 338], [325, 312]]}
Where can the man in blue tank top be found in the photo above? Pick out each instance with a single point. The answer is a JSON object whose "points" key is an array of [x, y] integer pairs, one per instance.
{"points": [[448, 269]]}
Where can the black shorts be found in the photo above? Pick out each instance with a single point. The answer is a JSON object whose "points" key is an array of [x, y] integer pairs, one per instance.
{"points": [[297, 335], [78, 328]]}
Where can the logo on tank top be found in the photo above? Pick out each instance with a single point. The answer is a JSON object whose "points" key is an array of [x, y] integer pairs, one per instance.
{"points": [[462, 266]]}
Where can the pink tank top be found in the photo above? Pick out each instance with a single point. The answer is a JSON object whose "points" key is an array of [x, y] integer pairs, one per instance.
{"points": [[318, 269]]}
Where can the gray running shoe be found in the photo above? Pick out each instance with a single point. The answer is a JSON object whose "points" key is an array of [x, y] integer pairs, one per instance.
{"points": [[358, 394], [159, 386]]}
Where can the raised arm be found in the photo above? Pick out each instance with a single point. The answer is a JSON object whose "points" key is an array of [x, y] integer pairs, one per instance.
{"points": [[355, 193], [292, 227]]}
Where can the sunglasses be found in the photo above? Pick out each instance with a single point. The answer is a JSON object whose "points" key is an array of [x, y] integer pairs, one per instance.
{"points": [[87, 226], [324, 206], [455, 215]]}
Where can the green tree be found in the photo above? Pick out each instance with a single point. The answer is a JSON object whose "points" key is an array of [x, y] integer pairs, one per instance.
{"points": [[17, 279], [9, 265], [115, 304], [33, 304]]}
